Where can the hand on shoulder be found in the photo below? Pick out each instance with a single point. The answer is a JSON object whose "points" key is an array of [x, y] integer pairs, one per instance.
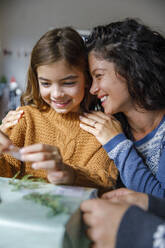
{"points": [[102, 126]]}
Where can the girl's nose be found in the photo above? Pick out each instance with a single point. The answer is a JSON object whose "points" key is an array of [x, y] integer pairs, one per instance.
{"points": [[57, 92]]}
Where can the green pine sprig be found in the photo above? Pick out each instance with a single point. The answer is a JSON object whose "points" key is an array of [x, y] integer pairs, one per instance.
{"points": [[27, 182], [49, 200]]}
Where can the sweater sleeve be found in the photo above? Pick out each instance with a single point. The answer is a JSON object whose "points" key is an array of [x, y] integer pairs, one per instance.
{"points": [[99, 171], [156, 206], [9, 166], [142, 229], [133, 172]]}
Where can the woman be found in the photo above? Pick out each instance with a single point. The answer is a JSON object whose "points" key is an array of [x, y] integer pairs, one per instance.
{"points": [[127, 64], [125, 218], [53, 145]]}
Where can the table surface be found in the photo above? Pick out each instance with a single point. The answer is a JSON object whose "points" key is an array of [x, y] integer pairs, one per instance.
{"points": [[27, 224]]}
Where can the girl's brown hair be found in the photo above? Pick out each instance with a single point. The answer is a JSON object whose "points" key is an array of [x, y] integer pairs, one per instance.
{"points": [[61, 43]]}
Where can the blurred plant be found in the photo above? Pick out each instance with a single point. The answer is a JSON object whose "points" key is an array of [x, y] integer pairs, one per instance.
{"points": [[46, 199], [49, 200], [3, 80], [27, 182]]}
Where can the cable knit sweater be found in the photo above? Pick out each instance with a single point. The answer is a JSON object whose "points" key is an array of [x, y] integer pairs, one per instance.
{"points": [[79, 149]]}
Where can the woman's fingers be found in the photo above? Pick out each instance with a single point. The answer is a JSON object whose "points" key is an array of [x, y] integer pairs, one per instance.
{"points": [[13, 116], [103, 127], [11, 120], [117, 193], [98, 115], [5, 142], [92, 118]]}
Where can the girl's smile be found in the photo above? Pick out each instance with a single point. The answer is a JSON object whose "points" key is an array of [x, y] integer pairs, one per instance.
{"points": [[61, 86]]}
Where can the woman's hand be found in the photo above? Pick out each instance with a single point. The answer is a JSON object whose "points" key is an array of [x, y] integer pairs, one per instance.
{"points": [[11, 119], [49, 158], [127, 196], [103, 219], [103, 127], [103, 216], [5, 143]]}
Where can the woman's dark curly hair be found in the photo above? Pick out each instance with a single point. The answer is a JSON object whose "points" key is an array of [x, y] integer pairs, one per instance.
{"points": [[138, 54]]}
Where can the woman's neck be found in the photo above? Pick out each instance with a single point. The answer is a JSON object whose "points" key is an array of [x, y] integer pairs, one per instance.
{"points": [[142, 123]]}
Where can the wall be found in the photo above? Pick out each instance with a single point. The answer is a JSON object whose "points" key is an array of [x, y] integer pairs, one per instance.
{"points": [[22, 22]]}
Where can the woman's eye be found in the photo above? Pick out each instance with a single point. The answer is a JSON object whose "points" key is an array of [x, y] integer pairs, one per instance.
{"points": [[69, 83], [98, 76]]}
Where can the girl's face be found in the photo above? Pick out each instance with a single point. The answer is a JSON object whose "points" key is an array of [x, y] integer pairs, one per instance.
{"points": [[61, 86], [109, 86]]}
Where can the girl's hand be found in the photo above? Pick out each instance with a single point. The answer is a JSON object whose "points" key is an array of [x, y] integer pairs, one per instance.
{"points": [[49, 158], [103, 127], [11, 119]]}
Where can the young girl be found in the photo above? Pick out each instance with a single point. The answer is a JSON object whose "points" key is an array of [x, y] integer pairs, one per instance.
{"points": [[55, 147], [127, 64]]}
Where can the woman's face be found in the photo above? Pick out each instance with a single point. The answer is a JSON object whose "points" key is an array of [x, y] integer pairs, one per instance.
{"points": [[110, 87], [61, 86]]}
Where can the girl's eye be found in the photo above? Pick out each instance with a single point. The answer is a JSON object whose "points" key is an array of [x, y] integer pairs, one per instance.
{"points": [[69, 83], [45, 84]]}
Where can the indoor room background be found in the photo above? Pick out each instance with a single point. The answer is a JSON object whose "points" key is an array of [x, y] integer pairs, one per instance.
{"points": [[22, 23]]}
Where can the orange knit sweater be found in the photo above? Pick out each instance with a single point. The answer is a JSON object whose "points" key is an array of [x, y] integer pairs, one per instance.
{"points": [[79, 149]]}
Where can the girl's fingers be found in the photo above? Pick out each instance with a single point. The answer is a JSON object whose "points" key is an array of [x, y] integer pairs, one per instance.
{"points": [[56, 177], [37, 156], [47, 165], [38, 148]]}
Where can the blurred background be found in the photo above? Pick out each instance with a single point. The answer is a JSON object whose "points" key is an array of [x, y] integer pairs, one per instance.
{"points": [[22, 22]]}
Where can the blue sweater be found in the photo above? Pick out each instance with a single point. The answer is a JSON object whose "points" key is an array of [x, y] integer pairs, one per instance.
{"points": [[142, 163], [144, 229]]}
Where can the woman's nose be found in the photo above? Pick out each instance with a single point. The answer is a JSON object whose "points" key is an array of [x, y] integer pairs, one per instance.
{"points": [[94, 88]]}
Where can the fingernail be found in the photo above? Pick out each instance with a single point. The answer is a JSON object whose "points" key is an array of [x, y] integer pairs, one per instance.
{"points": [[22, 150], [22, 157], [11, 147], [34, 166]]}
